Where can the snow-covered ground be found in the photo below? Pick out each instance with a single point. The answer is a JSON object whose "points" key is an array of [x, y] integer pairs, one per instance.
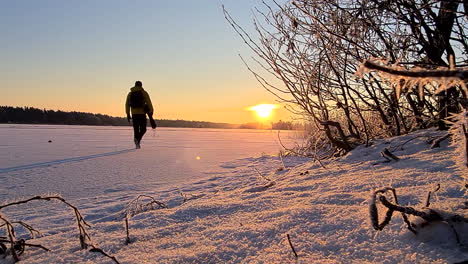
{"points": [[82, 162], [235, 217]]}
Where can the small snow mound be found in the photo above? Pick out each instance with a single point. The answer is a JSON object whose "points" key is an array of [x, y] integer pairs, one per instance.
{"points": [[401, 146]]}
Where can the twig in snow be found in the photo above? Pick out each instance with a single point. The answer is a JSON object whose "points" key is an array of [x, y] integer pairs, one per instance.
{"points": [[192, 196], [127, 240], [271, 182], [427, 215], [389, 155], [428, 199], [12, 239], [313, 153], [98, 250], [81, 223], [22, 243], [17, 247], [137, 206], [288, 149], [262, 176], [292, 247], [282, 162], [33, 232]]}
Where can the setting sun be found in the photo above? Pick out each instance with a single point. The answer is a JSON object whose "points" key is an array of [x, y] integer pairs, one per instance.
{"points": [[263, 110]]}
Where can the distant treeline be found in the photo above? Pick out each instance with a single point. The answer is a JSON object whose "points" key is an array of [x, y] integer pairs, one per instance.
{"points": [[280, 125], [31, 115]]}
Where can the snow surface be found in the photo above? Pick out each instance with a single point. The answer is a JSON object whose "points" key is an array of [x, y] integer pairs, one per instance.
{"points": [[89, 161], [235, 217]]}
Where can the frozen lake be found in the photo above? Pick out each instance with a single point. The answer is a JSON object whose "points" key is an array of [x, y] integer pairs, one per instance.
{"points": [[86, 161], [233, 215]]}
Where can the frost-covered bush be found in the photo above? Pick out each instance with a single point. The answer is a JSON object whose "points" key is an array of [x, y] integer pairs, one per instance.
{"points": [[440, 79], [312, 49]]}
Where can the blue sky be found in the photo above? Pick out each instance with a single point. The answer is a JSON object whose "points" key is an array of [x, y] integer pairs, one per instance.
{"points": [[84, 55]]}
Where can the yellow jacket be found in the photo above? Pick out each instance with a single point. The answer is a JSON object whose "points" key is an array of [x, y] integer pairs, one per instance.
{"points": [[138, 110]]}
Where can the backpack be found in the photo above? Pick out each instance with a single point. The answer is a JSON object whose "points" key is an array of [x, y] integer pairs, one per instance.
{"points": [[136, 99]]}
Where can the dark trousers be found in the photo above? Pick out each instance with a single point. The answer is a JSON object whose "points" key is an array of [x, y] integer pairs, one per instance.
{"points": [[139, 126]]}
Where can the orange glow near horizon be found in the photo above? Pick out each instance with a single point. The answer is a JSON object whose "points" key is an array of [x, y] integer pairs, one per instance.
{"points": [[90, 66], [263, 110]]}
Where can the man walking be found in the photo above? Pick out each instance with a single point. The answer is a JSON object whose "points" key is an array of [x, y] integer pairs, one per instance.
{"points": [[139, 102]]}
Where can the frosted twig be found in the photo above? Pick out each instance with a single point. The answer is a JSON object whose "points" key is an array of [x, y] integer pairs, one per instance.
{"points": [[461, 73], [314, 153], [136, 206], [17, 246], [270, 183], [427, 215], [288, 149], [282, 161], [262, 176], [32, 231]]}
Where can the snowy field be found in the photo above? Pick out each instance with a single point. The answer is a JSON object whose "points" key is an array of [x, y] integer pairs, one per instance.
{"points": [[241, 206], [83, 162]]}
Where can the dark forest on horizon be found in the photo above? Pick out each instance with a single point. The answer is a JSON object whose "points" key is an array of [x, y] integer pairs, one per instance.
{"points": [[31, 115]]}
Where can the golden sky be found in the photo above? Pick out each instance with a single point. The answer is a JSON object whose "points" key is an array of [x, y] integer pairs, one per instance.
{"points": [[85, 56]]}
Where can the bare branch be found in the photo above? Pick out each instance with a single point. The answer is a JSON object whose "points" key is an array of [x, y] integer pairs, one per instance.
{"points": [[17, 247], [462, 74]]}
